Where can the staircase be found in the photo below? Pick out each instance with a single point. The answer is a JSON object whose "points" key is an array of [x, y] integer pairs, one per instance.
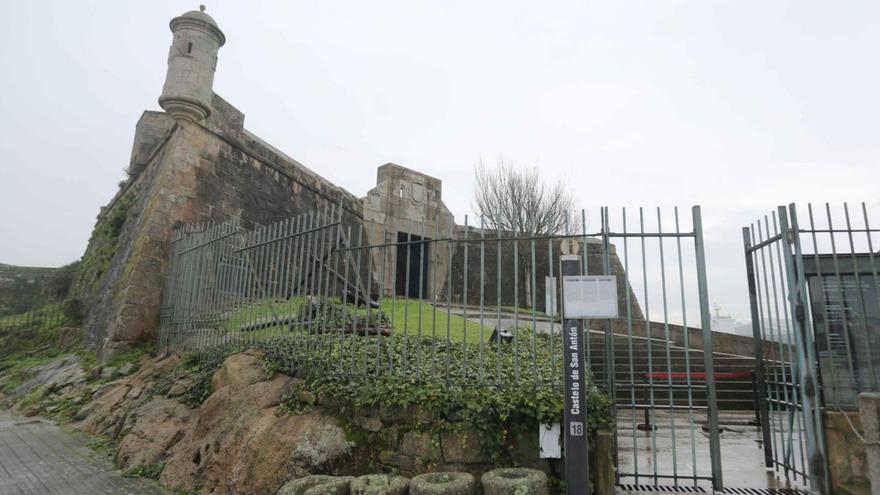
{"points": [[646, 368]]}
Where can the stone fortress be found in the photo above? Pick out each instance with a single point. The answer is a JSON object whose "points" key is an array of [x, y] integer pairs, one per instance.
{"points": [[196, 162]]}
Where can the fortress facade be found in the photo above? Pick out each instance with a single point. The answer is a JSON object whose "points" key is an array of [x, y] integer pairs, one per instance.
{"points": [[195, 162]]}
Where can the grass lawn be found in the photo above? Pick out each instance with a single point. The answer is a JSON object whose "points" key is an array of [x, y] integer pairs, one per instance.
{"points": [[260, 311], [403, 314], [405, 317]]}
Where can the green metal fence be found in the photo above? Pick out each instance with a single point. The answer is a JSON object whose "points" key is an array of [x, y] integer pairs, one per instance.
{"points": [[42, 316], [663, 394], [468, 307], [312, 285], [814, 300]]}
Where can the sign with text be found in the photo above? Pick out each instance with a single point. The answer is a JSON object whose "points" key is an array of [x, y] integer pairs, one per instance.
{"points": [[574, 377], [590, 296], [548, 439]]}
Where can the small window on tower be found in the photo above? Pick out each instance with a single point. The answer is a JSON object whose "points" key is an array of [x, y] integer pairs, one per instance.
{"points": [[189, 47]]}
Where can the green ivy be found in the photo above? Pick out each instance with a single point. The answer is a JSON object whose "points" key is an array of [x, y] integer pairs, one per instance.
{"points": [[519, 389], [298, 400], [520, 386], [151, 471]]}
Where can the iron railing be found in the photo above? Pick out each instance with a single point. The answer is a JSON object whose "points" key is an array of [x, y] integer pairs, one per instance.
{"points": [[467, 306], [316, 289], [814, 300], [42, 316]]}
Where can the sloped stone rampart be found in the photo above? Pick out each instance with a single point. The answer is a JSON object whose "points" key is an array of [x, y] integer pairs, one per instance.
{"points": [[185, 173]]}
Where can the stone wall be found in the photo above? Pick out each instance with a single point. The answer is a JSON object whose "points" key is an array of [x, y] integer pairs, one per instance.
{"points": [[22, 287], [726, 343], [846, 453], [515, 291], [184, 172], [408, 205]]}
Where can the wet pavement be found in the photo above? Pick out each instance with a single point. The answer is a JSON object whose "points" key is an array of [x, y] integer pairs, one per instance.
{"points": [[37, 457], [676, 448]]}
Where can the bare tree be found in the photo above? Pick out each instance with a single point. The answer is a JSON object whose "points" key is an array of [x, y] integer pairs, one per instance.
{"points": [[517, 200]]}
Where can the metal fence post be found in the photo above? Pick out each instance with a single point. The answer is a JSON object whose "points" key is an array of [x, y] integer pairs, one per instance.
{"points": [[706, 323], [610, 364], [806, 362], [760, 389]]}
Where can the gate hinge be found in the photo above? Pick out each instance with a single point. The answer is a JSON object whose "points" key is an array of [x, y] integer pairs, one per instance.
{"points": [[799, 313]]}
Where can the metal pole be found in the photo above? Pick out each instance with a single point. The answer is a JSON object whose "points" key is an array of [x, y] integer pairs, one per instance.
{"points": [[813, 429], [763, 414], [629, 346], [687, 349], [610, 364], [577, 464], [650, 343], [706, 323]]}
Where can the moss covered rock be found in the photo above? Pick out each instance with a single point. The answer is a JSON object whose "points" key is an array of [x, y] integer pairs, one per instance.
{"points": [[452, 483], [300, 485], [515, 481], [379, 484], [336, 486]]}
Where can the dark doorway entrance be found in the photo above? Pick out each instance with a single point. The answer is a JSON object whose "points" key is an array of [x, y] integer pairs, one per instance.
{"points": [[417, 254]]}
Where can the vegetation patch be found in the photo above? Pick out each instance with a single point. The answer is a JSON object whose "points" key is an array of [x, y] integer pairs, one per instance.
{"points": [[113, 222], [103, 445], [298, 400], [32, 343], [198, 369], [500, 391], [103, 245], [27, 348], [151, 471]]}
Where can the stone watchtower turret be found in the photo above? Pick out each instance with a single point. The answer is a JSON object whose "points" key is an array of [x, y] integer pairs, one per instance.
{"points": [[192, 60]]}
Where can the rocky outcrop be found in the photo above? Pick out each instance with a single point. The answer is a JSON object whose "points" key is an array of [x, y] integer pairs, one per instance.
{"points": [[62, 376], [115, 407], [238, 444], [234, 442], [239, 370], [240, 439], [158, 425]]}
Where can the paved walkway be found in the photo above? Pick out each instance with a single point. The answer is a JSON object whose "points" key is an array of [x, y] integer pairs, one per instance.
{"points": [[37, 457], [669, 449]]}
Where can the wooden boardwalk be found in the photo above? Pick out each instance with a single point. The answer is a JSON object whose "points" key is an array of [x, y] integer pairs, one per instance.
{"points": [[37, 457]]}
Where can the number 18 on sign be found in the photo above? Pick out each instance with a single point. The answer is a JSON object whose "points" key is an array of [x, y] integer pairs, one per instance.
{"points": [[575, 415]]}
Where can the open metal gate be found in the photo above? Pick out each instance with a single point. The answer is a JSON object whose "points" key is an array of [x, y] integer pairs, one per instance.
{"points": [[813, 291], [658, 370]]}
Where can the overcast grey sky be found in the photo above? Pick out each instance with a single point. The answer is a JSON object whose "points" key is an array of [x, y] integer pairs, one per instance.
{"points": [[737, 106]]}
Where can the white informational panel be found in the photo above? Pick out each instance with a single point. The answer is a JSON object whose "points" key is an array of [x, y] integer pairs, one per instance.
{"points": [[590, 296], [551, 300], [548, 436]]}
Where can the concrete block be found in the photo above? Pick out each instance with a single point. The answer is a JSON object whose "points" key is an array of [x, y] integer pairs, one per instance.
{"points": [[869, 413], [512, 481]]}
